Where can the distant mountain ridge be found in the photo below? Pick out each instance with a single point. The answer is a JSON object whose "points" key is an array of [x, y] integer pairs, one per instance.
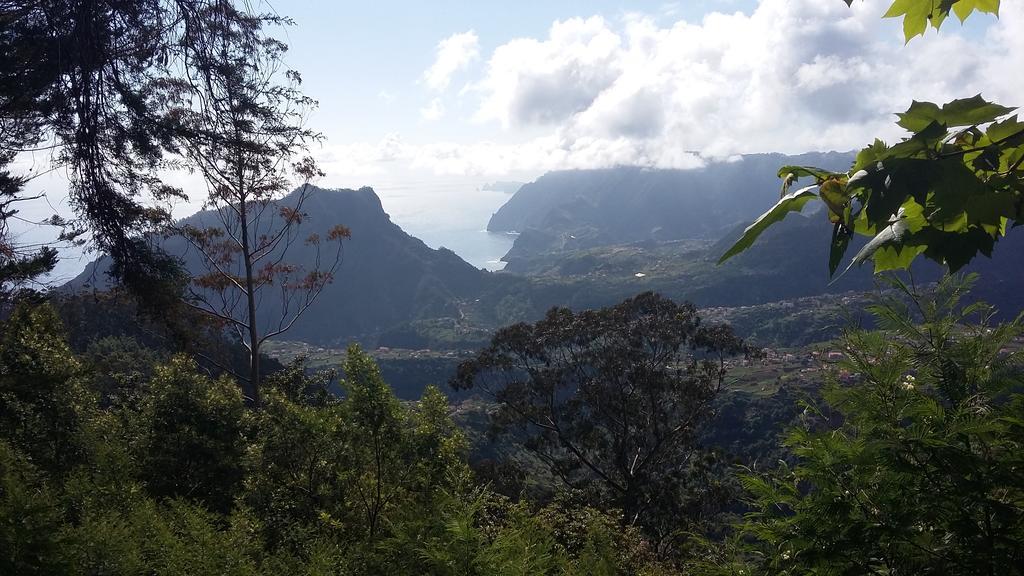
{"points": [[599, 235], [393, 290], [574, 209], [386, 277]]}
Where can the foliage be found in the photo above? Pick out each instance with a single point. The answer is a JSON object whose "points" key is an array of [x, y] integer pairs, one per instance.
{"points": [[949, 191], [922, 474], [31, 539], [481, 535], [350, 470], [178, 538], [612, 400], [43, 401], [189, 441], [184, 480], [918, 14], [95, 84], [120, 368]]}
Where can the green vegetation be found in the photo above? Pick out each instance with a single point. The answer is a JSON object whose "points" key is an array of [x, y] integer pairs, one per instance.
{"points": [[906, 460], [634, 438], [188, 481], [612, 401], [915, 468]]}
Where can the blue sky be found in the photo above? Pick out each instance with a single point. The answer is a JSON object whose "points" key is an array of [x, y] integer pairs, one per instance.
{"points": [[353, 53], [534, 86]]}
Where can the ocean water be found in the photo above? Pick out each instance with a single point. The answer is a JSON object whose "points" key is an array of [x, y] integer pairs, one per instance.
{"points": [[450, 213], [480, 248]]}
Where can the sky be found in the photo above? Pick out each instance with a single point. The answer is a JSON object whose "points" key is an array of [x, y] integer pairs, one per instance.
{"points": [[421, 90], [429, 101]]}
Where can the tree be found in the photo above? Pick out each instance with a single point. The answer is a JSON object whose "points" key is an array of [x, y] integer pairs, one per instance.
{"points": [[20, 264], [949, 191], [612, 400], [242, 131], [31, 539], [354, 471], [96, 86], [922, 473], [43, 400], [396, 455], [189, 436]]}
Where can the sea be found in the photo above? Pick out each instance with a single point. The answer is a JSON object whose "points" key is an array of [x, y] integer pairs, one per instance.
{"points": [[450, 213]]}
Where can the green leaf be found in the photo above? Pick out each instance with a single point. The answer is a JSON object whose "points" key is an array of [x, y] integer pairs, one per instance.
{"points": [[990, 209], [953, 184], [840, 242], [896, 256], [792, 202], [970, 111], [903, 178], [818, 174], [887, 243], [957, 249], [1008, 130], [964, 8], [919, 115], [915, 16], [869, 157], [962, 112]]}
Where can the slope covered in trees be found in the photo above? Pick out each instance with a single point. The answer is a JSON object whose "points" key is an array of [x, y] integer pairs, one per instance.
{"points": [[629, 204]]}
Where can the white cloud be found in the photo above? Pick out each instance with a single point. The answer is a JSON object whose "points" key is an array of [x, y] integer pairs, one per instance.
{"points": [[454, 53], [547, 81], [790, 76], [793, 75], [533, 156], [432, 111]]}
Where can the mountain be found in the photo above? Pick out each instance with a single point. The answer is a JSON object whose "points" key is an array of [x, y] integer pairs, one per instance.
{"points": [[589, 238], [575, 209], [393, 290], [386, 279]]}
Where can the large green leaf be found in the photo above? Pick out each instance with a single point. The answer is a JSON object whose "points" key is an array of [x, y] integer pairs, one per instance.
{"points": [[886, 246], [964, 8], [962, 112], [792, 202], [970, 111], [915, 15], [818, 174]]}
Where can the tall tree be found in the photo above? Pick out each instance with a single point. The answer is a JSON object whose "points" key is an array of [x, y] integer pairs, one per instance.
{"points": [[243, 131], [92, 84], [612, 400]]}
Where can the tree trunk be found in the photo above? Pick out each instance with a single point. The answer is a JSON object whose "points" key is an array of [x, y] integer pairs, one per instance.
{"points": [[253, 391]]}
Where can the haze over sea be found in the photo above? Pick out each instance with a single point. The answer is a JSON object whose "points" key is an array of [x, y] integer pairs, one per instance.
{"points": [[450, 213]]}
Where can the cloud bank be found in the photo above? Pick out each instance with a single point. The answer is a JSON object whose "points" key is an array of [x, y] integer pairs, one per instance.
{"points": [[792, 76]]}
